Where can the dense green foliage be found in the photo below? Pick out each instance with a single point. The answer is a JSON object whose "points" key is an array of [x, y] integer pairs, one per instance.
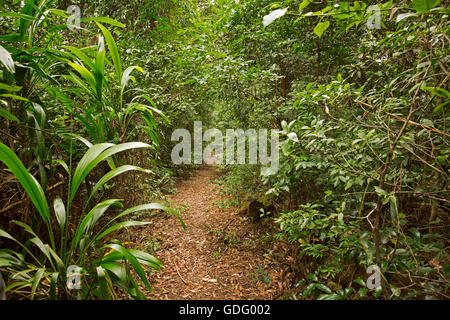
{"points": [[362, 113], [52, 95], [365, 160]]}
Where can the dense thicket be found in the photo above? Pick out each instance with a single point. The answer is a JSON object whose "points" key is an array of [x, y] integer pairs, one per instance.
{"points": [[365, 160]]}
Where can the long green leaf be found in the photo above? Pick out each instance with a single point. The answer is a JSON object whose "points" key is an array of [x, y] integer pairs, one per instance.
{"points": [[60, 212], [6, 235], [45, 248], [80, 55], [117, 226], [112, 174], [7, 115], [89, 221], [150, 206], [86, 164], [6, 60], [36, 281], [121, 147], [117, 269], [127, 76], [112, 50], [105, 20], [146, 259], [320, 28], [17, 15], [28, 182], [94, 156], [134, 262], [99, 69], [85, 73], [102, 282]]}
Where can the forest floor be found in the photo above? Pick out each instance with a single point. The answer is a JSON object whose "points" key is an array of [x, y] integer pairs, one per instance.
{"points": [[220, 255]]}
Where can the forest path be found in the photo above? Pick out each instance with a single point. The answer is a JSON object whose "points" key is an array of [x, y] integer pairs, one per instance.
{"points": [[220, 255]]}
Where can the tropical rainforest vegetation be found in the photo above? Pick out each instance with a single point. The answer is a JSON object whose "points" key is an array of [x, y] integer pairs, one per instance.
{"points": [[358, 91]]}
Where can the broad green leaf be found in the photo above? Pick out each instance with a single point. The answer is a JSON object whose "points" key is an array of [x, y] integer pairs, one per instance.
{"points": [[83, 140], [312, 276], [7, 87], [304, 4], [121, 147], [437, 91], [13, 96], [415, 232], [45, 248], [378, 291], [53, 285], [7, 115], [423, 6], [29, 9], [362, 292], [63, 164], [117, 269], [145, 111], [154, 107], [105, 20], [292, 136], [321, 27], [402, 16], [323, 288], [308, 289], [78, 81], [117, 226], [133, 261], [380, 191], [360, 282], [17, 285], [329, 297], [99, 72], [440, 107], [48, 252]]}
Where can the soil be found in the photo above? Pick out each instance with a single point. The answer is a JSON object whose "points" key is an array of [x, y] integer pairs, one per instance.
{"points": [[220, 255]]}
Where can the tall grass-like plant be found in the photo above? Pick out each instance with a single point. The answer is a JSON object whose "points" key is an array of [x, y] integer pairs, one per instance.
{"points": [[40, 269], [107, 111]]}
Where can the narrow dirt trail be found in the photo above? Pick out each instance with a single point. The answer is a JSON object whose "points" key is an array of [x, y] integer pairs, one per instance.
{"points": [[220, 255]]}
